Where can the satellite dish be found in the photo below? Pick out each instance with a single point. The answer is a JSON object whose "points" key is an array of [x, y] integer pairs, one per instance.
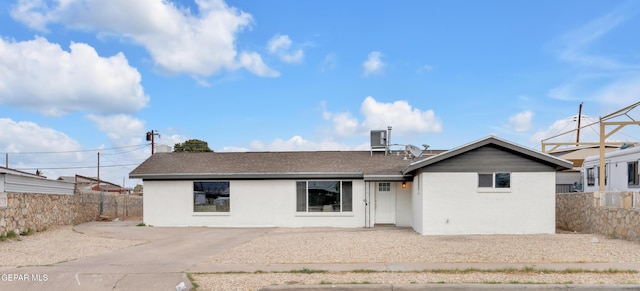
{"points": [[414, 150]]}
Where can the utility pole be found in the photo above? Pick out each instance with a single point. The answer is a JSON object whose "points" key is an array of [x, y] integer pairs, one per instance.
{"points": [[98, 169], [151, 137], [579, 119]]}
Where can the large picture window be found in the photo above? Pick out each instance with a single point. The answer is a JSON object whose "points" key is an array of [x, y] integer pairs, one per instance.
{"points": [[324, 196], [494, 180], [211, 196]]}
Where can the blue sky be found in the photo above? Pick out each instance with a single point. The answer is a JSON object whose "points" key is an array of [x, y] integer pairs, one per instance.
{"points": [[81, 75]]}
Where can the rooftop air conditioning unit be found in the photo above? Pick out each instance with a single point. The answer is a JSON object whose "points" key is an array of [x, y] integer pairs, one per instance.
{"points": [[378, 139]]}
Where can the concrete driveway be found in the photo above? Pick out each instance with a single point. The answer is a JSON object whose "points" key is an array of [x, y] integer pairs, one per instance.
{"points": [[159, 264]]}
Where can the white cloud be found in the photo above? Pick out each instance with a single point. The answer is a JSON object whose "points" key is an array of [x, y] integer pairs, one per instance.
{"points": [[344, 124], [399, 114], [253, 62], [121, 129], [41, 76], [34, 13], [622, 92], [24, 136], [405, 120], [280, 45], [604, 78], [373, 64], [569, 125], [378, 115], [31, 146], [171, 140], [298, 143], [329, 62], [521, 122], [577, 42], [179, 40]]}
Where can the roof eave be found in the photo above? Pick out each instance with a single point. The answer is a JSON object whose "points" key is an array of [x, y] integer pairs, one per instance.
{"points": [[382, 177], [249, 176]]}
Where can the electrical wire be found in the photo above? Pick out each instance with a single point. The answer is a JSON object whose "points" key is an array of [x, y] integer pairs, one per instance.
{"points": [[59, 165], [138, 146], [67, 168], [120, 153]]}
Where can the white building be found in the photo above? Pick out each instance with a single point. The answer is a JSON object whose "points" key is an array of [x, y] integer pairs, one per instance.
{"points": [[621, 171], [488, 186]]}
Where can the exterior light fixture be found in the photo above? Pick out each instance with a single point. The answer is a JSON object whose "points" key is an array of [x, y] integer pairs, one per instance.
{"points": [[404, 185]]}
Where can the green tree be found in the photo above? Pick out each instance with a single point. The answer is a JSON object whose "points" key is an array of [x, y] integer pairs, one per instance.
{"points": [[192, 145]]}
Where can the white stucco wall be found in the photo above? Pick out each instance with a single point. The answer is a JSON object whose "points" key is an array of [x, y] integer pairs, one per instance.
{"points": [[417, 203], [404, 209], [257, 203], [453, 204]]}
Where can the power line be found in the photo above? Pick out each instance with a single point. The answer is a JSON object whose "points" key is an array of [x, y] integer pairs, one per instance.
{"points": [[68, 168], [81, 151], [120, 153]]}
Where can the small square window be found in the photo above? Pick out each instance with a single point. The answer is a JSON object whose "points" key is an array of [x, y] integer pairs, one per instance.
{"points": [[384, 187], [503, 180], [485, 180]]}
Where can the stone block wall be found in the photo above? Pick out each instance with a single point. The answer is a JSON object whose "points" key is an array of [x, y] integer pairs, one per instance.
{"points": [[26, 211], [581, 212], [113, 205]]}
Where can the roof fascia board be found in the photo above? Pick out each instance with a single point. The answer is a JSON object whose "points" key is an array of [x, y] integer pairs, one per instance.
{"points": [[388, 177], [249, 176]]}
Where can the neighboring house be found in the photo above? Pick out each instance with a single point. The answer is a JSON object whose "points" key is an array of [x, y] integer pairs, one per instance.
{"points": [[92, 184], [488, 186], [15, 181], [621, 171], [570, 180]]}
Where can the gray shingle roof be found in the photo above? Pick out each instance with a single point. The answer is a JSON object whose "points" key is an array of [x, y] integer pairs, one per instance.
{"points": [[257, 165]]}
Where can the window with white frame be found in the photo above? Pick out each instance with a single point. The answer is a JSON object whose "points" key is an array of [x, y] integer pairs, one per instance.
{"points": [[324, 196], [494, 180], [384, 186]]}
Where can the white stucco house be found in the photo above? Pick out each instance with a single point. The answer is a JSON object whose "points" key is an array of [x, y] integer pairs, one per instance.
{"points": [[488, 186]]}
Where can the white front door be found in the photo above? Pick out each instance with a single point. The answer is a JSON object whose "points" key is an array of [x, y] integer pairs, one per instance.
{"points": [[385, 203]]}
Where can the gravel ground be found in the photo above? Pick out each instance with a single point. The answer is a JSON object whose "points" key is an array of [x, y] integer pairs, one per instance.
{"points": [[335, 246], [389, 244], [55, 246], [256, 281]]}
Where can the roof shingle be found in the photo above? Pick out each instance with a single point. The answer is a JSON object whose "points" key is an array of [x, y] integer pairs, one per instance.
{"points": [[199, 165]]}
